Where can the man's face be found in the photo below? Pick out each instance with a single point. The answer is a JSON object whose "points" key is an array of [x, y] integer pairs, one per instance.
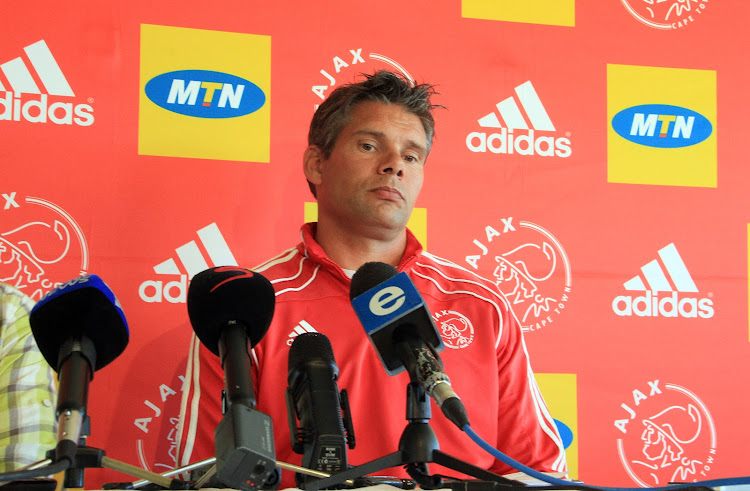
{"points": [[375, 171]]}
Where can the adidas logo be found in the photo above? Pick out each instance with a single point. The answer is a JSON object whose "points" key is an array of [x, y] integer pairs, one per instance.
{"points": [[193, 262], [300, 328], [21, 80], [524, 141], [669, 275]]}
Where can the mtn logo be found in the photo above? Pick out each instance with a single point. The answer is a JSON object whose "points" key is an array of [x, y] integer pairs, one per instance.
{"points": [[18, 79], [669, 275], [662, 126], [222, 95], [524, 141], [301, 328], [193, 262]]}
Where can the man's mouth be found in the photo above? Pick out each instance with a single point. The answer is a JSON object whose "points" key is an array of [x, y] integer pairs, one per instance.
{"points": [[388, 193]]}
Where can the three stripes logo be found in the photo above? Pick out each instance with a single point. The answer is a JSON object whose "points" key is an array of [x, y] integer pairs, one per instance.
{"points": [[20, 79], [669, 290], [301, 328], [519, 134], [193, 260]]}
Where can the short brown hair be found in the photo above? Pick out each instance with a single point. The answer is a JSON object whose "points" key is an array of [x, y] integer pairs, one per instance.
{"points": [[384, 87]]}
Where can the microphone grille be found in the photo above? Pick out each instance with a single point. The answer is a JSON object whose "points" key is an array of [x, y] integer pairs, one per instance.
{"points": [[370, 275], [310, 346]]}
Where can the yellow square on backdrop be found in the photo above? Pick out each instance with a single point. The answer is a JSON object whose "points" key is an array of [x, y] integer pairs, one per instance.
{"points": [[560, 392], [549, 12], [204, 94], [672, 113], [417, 221]]}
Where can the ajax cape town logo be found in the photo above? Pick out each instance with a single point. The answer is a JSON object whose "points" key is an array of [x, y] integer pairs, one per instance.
{"points": [[528, 265], [41, 245], [157, 424], [455, 328], [665, 435], [347, 66], [661, 126], [205, 94], [666, 14]]}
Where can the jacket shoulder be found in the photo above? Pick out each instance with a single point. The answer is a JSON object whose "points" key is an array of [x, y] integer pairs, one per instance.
{"points": [[445, 269]]}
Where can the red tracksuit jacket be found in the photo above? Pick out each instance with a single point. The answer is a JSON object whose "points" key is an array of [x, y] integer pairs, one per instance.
{"points": [[485, 358]]}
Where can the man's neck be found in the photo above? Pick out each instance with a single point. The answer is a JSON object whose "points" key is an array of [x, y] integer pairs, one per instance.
{"points": [[351, 250]]}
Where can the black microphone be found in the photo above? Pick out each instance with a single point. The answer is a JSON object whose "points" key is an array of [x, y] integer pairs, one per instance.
{"points": [[230, 309], [79, 327], [400, 327], [313, 397]]}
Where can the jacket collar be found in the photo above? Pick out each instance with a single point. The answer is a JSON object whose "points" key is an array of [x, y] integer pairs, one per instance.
{"points": [[310, 248]]}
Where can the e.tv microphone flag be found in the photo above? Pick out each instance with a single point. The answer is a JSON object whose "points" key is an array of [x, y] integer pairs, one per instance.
{"points": [[385, 300], [400, 327]]}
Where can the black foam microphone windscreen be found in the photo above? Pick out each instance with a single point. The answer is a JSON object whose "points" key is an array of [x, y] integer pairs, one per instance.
{"points": [[83, 306], [229, 294], [370, 275]]}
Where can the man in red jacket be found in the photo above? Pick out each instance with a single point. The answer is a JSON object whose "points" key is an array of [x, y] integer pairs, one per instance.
{"points": [[368, 143]]}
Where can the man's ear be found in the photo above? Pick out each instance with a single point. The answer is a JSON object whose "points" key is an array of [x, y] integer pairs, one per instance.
{"points": [[312, 164]]}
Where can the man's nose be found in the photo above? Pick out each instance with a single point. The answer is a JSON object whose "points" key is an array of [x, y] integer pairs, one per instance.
{"points": [[392, 163]]}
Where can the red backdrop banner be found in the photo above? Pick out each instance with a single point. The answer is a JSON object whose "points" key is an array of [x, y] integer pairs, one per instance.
{"points": [[589, 159]]}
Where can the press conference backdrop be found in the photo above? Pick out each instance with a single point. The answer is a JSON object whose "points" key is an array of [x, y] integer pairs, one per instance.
{"points": [[591, 159]]}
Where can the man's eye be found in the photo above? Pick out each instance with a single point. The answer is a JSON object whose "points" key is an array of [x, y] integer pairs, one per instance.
{"points": [[367, 146]]}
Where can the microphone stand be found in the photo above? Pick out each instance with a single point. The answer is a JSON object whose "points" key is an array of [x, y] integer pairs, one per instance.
{"points": [[73, 477], [212, 471], [173, 472], [417, 447], [89, 457]]}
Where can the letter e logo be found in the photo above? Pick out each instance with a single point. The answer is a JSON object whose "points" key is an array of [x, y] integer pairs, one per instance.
{"points": [[386, 295]]}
